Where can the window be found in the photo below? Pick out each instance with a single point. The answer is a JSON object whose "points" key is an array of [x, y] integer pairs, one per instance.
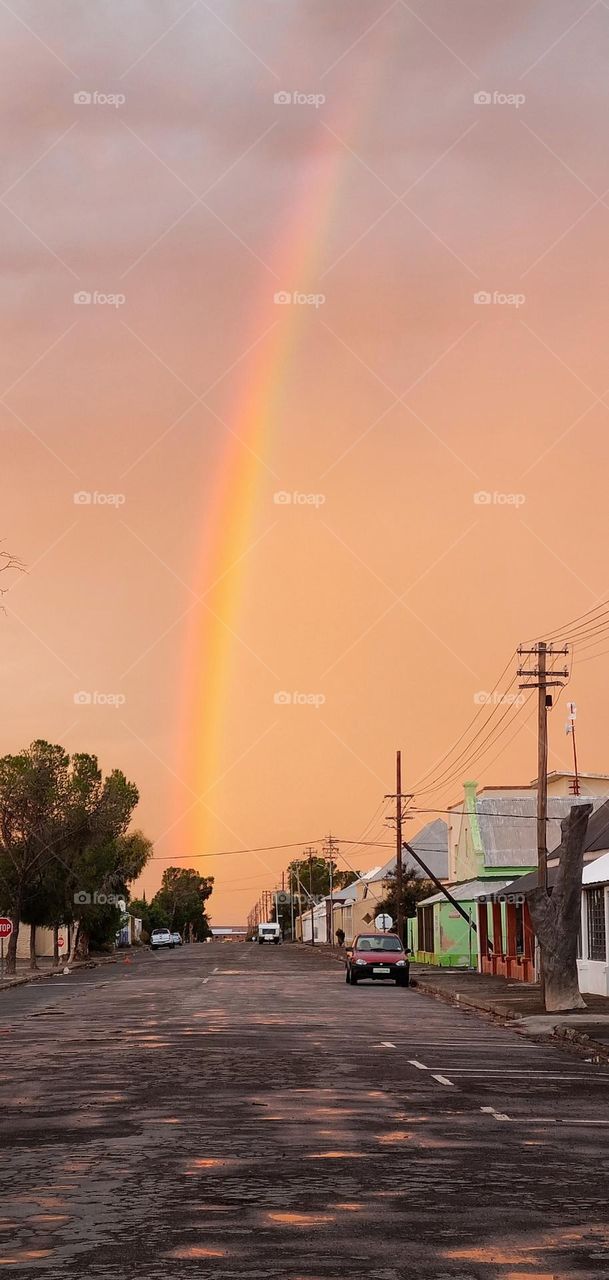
{"points": [[595, 909], [376, 943]]}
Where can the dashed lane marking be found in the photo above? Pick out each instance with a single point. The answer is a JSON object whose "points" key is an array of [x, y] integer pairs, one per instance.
{"points": [[443, 1080], [421, 1065], [386, 1044]]}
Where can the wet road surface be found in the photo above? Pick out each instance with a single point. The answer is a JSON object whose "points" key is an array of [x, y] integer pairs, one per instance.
{"points": [[233, 1110]]}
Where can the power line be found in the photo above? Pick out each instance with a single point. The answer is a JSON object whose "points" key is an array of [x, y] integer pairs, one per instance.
{"points": [[478, 713], [492, 736], [229, 853]]}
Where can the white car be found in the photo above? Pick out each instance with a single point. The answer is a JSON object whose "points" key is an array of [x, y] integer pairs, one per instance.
{"points": [[177, 939], [161, 938]]}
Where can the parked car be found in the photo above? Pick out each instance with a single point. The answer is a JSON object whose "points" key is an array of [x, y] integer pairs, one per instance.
{"points": [[378, 956], [161, 938], [177, 939]]}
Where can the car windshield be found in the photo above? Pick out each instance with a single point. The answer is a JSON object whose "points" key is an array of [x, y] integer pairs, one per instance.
{"points": [[382, 943]]}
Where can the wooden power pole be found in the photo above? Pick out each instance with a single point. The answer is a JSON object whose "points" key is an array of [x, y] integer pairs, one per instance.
{"points": [[538, 679], [309, 853], [399, 818]]}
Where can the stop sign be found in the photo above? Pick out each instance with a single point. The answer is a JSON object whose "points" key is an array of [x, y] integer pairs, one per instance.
{"points": [[6, 927]]}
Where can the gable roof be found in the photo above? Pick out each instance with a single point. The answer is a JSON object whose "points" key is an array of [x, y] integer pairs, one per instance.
{"points": [[431, 843], [508, 831], [468, 891], [597, 841]]}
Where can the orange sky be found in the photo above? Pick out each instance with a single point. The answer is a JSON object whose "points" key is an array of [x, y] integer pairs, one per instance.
{"points": [[397, 597]]}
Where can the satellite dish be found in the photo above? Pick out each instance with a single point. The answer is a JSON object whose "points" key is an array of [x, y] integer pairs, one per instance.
{"points": [[383, 922]]}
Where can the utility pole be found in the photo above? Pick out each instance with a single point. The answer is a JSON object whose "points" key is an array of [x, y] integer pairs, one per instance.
{"points": [[538, 679], [309, 853], [291, 885], [399, 796], [329, 849]]}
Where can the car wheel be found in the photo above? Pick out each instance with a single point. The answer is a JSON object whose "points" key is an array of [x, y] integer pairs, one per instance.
{"points": [[346, 974], [352, 979]]}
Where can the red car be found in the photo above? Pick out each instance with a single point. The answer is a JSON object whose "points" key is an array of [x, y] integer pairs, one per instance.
{"points": [[379, 956]]}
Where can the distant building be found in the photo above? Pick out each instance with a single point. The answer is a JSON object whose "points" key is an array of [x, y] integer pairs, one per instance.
{"points": [[356, 907], [236, 931]]}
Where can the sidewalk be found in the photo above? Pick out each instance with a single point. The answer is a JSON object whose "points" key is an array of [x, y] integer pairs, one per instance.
{"points": [[518, 1003], [46, 970]]}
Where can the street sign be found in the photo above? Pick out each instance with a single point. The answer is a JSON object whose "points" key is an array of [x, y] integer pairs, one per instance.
{"points": [[6, 928], [283, 898], [383, 922]]}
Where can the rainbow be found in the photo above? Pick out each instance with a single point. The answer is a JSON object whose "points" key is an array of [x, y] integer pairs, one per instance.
{"points": [[263, 382]]}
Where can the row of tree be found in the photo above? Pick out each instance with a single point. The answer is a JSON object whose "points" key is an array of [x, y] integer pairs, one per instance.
{"points": [[179, 905], [66, 854]]}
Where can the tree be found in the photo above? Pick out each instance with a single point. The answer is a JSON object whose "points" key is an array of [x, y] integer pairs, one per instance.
{"points": [[33, 789], [181, 900], [556, 916], [64, 843], [313, 877], [414, 890]]}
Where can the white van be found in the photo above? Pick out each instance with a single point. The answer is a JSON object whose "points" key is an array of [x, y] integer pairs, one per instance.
{"points": [[269, 933]]}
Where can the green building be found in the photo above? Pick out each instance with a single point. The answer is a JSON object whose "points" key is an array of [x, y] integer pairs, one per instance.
{"points": [[492, 842]]}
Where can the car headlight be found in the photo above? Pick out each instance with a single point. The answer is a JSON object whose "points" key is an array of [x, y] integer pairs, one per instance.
{"points": [[360, 961], [402, 962]]}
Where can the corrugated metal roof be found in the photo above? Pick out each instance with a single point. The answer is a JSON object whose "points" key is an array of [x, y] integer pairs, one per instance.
{"points": [[597, 841], [597, 872], [469, 890], [511, 841]]}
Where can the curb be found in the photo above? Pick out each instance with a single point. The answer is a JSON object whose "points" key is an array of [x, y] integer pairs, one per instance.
{"points": [[460, 1001], [563, 1037], [571, 1037], [8, 984]]}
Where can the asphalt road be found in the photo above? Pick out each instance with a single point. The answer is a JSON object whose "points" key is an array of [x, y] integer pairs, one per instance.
{"points": [[233, 1110]]}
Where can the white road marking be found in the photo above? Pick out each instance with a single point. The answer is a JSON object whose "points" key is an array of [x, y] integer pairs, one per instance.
{"points": [[584, 1122], [537, 1076], [421, 1065], [443, 1080], [204, 979], [386, 1044]]}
